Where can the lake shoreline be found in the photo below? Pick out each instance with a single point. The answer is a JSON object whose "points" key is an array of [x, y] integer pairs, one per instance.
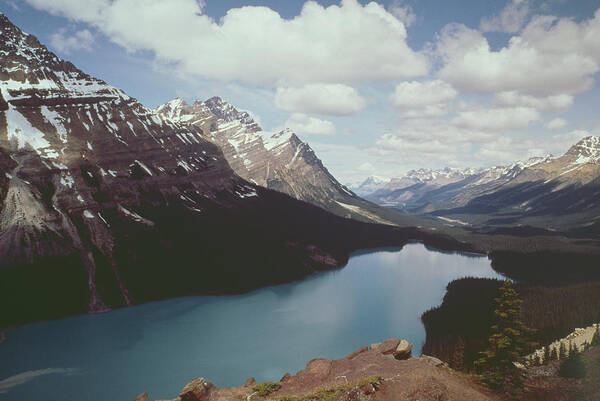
{"points": [[327, 314]]}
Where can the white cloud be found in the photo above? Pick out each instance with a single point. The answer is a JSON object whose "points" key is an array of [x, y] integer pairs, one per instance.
{"points": [[306, 125], [426, 151], [560, 143], [556, 123], [328, 99], [404, 12], [419, 99], [340, 43], [341, 160], [550, 57], [366, 167], [477, 134], [429, 142], [497, 119], [556, 103], [511, 18], [80, 40], [505, 150]]}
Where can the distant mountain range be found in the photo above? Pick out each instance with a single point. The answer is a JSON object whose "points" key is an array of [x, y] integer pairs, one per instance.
{"points": [[565, 189]]}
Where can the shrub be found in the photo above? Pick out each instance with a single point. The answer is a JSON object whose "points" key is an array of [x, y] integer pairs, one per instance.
{"points": [[266, 388]]}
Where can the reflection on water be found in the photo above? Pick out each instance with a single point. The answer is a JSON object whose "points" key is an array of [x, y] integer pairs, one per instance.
{"points": [[159, 347]]}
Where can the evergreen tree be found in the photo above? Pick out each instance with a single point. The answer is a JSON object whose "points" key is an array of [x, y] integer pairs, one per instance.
{"points": [[562, 351], [573, 366], [546, 358], [506, 344], [596, 337], [459, 354]]}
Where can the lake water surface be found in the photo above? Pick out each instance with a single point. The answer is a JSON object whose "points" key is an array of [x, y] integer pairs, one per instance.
{"points": [[161, 346]]}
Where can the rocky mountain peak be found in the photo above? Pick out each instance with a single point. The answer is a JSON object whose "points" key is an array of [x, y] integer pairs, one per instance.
{"points": [[427, 174], [29, 70], [222, 109], [173, 109], [587, 150], [278, 160], [373, 179]]}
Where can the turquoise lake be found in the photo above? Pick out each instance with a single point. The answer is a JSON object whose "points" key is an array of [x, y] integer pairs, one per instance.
{"points": [[161, 346]]}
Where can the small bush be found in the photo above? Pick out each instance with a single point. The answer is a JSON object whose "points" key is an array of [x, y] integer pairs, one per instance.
{"points": [[266, 388], [331, 393]]}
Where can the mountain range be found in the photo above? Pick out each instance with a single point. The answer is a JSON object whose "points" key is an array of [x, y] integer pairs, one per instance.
{"points": [[554, 193]]}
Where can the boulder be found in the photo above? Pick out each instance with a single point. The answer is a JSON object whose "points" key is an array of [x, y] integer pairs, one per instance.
{"points": [[403, 350], [388, 347], [196, 390], [250, 382], [142, 397], [318, 367], [285, 377], [432, 360]]}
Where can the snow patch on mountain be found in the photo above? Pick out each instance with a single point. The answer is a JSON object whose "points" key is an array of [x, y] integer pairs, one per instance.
{"points": [[20, 129], [271, 140], [586, 150]]}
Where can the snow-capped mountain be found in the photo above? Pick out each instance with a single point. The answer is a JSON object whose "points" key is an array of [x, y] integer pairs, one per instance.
{"points": [[413, 188], [105, 203], [567, 188], [275, 160], [369, 185]]}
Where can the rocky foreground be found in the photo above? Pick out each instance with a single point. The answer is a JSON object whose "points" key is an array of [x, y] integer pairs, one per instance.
{"points": [[382, 371]]}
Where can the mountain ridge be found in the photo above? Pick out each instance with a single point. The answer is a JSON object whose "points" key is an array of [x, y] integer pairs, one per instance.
{"points": [[277, 160], [525, 192]]}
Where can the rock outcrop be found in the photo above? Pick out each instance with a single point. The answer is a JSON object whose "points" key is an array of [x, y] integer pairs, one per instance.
{"points": [[370, 373], [142, 397], [580, 338], [196, 390]]}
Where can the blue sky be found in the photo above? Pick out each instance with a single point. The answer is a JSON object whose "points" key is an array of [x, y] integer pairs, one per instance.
{"points": [[376, 88]]}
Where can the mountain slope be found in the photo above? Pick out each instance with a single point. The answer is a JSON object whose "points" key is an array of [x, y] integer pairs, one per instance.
{"points": [[560, 194], [105, 203], [275, 160], [426, 190], [555, 193]]}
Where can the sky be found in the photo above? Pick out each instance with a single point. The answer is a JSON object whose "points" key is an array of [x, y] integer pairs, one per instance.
{"points": [[375, 87]]}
